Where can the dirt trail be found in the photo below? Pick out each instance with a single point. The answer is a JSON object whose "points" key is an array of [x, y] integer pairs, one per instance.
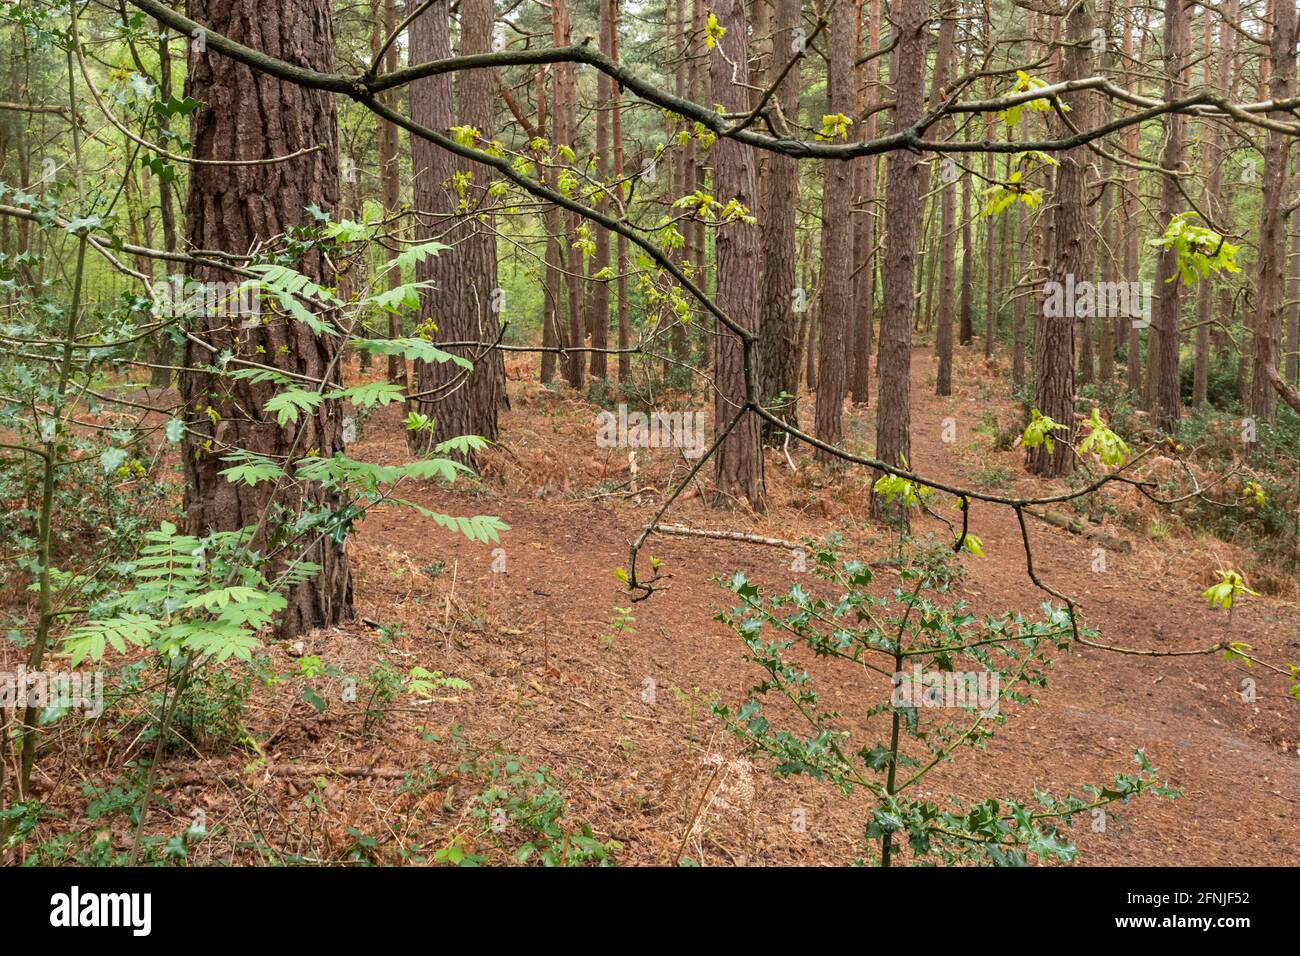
{"points": [[535, 641]]}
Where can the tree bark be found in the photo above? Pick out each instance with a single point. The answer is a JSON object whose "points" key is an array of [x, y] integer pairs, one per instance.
{"points": [[944, 64], [865, 234], [624, 322], [837, 239], [902, 219], [965, 309], [599, 301], [1054, 334], [740, 457], [432, 169], [779, 331], [1163, 396], [388, 168], [1272, 243], [1211, 173], [249, 115]]}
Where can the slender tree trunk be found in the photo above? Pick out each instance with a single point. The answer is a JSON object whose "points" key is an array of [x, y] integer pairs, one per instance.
{"points": [[697, 81], [1272, 245], [1018, 321], [837, 238], [1054, 333], [624, 322], [860, 378], [552, 326], [965, 309], [740, 457], [463, 298], [164, 352], [565, 108], [1291, 362], [783, 306], [1212, 177], [1105, 259], [599, 302], [945, 62], [990, 282], [902, 217], [1084, 115], [1162, 368], [390, 184]]}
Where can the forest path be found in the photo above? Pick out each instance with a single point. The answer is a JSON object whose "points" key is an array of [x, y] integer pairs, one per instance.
{"points": [[535, 641]]}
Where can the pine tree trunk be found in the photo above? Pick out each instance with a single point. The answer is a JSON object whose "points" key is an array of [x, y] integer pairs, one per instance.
{"points": [[624, 321], [250, 115], [965, 327], [990, 282], [898, 272], [388, 168], [945, 62], [1272, 241], [1054, 334], [740, 457], [431, 171], [1212, 176], [1163, 347], [863, 346], [837, 248], [779, 331], [552, 328], [599, 302]]}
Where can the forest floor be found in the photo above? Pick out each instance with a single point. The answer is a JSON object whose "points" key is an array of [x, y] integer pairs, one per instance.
{"points": [[558, 685]]}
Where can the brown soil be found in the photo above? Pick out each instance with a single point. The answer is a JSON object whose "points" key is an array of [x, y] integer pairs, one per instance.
{"points": [[552, 685]]}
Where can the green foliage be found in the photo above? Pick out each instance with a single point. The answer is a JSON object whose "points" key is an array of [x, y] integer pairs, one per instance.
{"points": [[528, 805], [1109, 448], [1039, 432], [622, 624], [382, 686], [1224, 594], [209, 712], [424, 683], [713, 31], [290, 403], [911, 493], [1002, 195], [1024, 83], [291, 289], [1255, 497], [417, 350], [1199, 249], [834, 126], [94, 845], [180, 603], [409, 257], [250, 469], [913, 628]]}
